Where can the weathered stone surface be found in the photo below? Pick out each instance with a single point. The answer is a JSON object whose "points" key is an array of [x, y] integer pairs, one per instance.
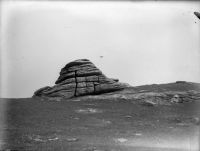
{"points": [[83, 91], [41, 90], [176, 98], [76, 62], [67, 81], [81, 85], [89, 84], [107, 87], [80, 77], [82, 67], [62, 93], [83, 73], [91, 78], [65, 76]]}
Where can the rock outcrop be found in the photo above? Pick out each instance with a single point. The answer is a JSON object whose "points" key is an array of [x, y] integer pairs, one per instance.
{"points": [[80, 77]]}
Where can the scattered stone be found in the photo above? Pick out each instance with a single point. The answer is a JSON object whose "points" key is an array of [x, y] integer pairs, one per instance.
{"points": [[148, 103], [90, 149], [122, 140], [196, 120], [128, 116], [176, 99], [88, 111], [39, 140], [184, 121], [53, 139], [106, 122], [43, 139], [80, 77], [72, 139], [138, 134]]}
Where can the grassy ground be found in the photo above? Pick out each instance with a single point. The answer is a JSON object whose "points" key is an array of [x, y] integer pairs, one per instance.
{"points": [[96, 125]]}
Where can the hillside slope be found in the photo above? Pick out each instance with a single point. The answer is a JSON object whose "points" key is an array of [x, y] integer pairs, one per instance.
{"points": [[178, 92]]}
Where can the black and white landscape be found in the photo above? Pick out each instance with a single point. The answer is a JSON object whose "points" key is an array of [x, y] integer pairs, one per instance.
{"points": [[87, 111], [100, 76]]}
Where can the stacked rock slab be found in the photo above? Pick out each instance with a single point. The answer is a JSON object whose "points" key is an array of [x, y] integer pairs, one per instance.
{"points": [[80, 77]]}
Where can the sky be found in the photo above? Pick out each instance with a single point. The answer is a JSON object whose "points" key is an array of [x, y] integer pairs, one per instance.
{"points": [[141, 42]]}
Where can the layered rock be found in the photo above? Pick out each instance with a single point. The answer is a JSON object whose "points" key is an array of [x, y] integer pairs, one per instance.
{"points": [[80, 77]]}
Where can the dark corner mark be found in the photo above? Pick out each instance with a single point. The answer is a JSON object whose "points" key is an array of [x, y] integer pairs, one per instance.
{"points": [[197, 14]]}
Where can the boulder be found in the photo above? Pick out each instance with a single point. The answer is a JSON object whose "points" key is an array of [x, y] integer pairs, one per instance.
{"points": [[80, 77], [176, 99]]}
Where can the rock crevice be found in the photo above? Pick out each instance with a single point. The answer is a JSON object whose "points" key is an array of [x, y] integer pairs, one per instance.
{"points": [[80, 77]]}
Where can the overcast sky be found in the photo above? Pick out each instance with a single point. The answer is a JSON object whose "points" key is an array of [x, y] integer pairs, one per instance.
{"points": [[141, 42]]}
